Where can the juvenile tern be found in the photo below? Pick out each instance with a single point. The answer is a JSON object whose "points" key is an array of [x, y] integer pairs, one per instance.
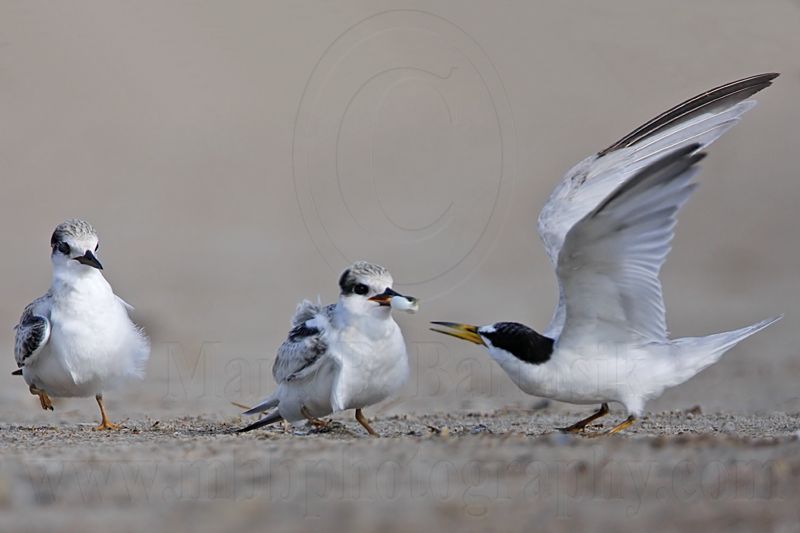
{"points": [[607, 229], [347, 355], [77, 340]]}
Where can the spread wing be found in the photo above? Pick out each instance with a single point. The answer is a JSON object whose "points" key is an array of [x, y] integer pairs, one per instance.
{"points": [[700, 120], [306, 344], [608, 267], [32, 332]]}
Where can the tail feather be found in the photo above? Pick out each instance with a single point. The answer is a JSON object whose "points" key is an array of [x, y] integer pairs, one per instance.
{"points": [[697, 353], [265, 405], [271, 418]]}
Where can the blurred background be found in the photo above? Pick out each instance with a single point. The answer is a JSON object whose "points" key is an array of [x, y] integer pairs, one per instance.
{"points": [[235, 157]]}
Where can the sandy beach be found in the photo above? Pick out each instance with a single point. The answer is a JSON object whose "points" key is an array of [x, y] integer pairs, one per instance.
{"points": [[473, 471]]}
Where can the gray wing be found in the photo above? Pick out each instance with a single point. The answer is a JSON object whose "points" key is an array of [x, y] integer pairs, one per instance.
{"points": [[306, 345], [698, 121], [609, 265], [33, 331]]}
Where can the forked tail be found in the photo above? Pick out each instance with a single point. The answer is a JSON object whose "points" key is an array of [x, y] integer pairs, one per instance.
{"points": [[268, 403], [693, 354], [271, 418]]}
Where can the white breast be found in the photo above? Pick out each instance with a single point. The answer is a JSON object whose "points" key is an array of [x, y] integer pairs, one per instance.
{"points": [[374, 365], [93, 343]]}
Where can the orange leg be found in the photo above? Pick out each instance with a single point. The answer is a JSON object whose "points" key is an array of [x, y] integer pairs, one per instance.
{"points": [[314, 421], [44, 399], [622, 425], [104, 423], [363, 421], [580, 424]]}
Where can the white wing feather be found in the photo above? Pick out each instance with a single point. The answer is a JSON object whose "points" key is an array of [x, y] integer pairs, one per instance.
{"points": [[609, 265], [700, 120]]}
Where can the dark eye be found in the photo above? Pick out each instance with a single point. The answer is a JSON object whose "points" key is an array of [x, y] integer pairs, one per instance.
{"points": [[63, 248], [361, 289], [97, 247]]}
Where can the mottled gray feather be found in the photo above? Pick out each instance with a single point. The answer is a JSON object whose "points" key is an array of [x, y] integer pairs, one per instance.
{"points": [[33, 330], [305, 344], [74, 228]]}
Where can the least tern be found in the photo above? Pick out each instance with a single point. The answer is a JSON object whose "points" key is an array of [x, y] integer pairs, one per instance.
{"points": [[77, 340], [347, 355], [607, 229]]}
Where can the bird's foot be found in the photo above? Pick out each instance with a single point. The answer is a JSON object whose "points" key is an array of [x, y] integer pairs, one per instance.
{"points": [[580, 425], [107, 425], [365, 424], [319, 423], [47, 403], [44, 399], [574, 428], [314, 421], [628, 422], [581, 429]]}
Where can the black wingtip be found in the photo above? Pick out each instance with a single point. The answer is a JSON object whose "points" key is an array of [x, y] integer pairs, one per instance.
{"points": [[267, 420], [727, 94], [766, 77], [17, 372]]}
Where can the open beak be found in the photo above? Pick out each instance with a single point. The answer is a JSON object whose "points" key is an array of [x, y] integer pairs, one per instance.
{"points": [[385, 298], [460, 331], [89, 259], [396, 301]]}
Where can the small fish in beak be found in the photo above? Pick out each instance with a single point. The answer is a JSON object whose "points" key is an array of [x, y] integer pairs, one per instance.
{"points": [[396, 300], [409, 304], [465, 332]]}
